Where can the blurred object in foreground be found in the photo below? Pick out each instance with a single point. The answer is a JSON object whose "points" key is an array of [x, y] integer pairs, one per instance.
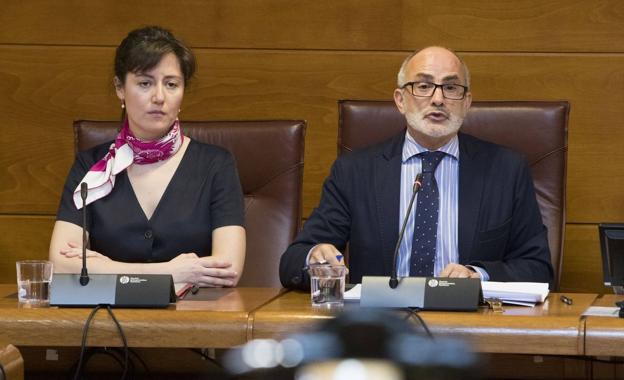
{"points": [[359, 345]]}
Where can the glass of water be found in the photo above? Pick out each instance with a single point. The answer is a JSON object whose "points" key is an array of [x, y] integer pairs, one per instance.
{"points": [[33, 283], [327, 284]]}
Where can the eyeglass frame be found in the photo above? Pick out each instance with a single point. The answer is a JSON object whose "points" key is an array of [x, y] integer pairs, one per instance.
{"points": [[436, 85]]}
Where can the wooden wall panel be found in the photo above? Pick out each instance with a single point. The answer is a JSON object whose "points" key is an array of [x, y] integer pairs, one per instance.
{"points": [[232, 85], [582, 264], [22, 238], [27, 237], [294, 59], [47, 89], [594, 86], [48, 93], [477, 25]]}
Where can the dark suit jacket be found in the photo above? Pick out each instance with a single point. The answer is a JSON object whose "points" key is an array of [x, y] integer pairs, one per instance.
{"points": [[499, 223]]}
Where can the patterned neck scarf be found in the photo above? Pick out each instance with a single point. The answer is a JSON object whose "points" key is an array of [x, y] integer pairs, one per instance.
{"points": [[123, 152]]}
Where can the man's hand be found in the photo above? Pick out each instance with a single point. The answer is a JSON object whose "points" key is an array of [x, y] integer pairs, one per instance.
{"points": [[326, 253], [459, 271]]}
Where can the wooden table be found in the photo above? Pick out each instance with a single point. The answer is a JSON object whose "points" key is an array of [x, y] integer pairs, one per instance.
{"points": [[222, 318], [219, 319], [551, 328], [604, 336]]}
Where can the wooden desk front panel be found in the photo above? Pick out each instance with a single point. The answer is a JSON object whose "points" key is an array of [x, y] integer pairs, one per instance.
{"points": [[604, 336], [552, 328], [219, 320]]}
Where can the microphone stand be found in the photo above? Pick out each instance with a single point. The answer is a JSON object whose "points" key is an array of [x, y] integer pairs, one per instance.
{"points": [[116, 290], [422, 293], [394, 281], [84, 275]]}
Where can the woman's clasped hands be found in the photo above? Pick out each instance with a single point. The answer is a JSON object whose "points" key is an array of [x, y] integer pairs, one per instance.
{"points": [[205, 271], [202, 271]]}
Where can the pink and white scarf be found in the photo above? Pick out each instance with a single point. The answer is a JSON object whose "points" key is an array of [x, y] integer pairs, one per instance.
{"points": [[123, 152]]}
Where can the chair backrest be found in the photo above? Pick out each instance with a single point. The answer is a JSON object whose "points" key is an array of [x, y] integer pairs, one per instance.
{"points": [[538, 130], [11, 363], [269, 157]]}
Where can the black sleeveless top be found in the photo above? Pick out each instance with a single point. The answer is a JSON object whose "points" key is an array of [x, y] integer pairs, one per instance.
{"points": [[204, 194]]}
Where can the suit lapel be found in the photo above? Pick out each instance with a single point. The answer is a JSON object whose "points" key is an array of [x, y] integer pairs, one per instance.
{"points": [[470, 195], [387, 173]]}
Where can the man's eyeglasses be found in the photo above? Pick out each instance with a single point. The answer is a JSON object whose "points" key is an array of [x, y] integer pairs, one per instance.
{"points": [[427, 89]]}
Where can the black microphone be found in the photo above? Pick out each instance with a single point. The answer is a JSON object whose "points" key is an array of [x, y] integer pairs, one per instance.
{"points": [[394, 282], [84, 275]]}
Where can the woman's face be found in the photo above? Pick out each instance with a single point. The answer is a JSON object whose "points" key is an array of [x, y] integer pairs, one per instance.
{"points": [[153, 98]]}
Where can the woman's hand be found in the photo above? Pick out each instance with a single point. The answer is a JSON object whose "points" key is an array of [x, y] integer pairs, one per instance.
{"points": [[74, 250], [202, 271]]}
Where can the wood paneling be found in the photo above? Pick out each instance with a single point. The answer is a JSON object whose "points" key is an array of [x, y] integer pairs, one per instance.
{"points": [[594, 86], [22, 238], [477, 25], [48, 94], [294, 59], [26, 237], [582, 264], [48, 91]]}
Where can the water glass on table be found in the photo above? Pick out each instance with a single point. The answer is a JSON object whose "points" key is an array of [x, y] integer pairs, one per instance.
{"points": [[327, 284], [33, 283]]}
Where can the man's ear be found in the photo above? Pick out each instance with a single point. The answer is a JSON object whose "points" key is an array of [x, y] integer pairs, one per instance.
{"points": [[398, 100], [467, 102]]}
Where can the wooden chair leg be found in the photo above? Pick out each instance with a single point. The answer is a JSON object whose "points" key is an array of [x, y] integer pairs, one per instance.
{"points": [[11, 363]]}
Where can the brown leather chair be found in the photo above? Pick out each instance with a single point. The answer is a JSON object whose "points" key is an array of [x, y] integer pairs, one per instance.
{"points": [[11, 363], [269, 156], [538, 130]]}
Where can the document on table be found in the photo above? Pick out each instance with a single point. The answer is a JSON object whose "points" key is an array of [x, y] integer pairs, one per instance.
{"points": [[354, 293], [602, 311]]}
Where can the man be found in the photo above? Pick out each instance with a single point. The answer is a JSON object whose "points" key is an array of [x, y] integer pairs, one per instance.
{"points": [[476, 214]]}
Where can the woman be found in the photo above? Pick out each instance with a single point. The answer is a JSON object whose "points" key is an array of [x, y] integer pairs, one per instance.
{"points": [[158, 202]]}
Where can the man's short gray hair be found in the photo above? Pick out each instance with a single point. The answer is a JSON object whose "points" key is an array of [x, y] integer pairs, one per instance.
{"points": [[401, 80]]}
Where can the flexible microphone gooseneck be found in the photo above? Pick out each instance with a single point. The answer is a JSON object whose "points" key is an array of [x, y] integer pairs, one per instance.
{"points": [[84, 275], [394, 281]]}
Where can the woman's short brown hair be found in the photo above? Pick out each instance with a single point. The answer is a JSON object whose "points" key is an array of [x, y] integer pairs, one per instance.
{"points": [[143, 49]]}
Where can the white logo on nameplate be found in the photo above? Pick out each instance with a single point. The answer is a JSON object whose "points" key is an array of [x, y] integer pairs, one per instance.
{"points": [[433, 283], [124, 280]]}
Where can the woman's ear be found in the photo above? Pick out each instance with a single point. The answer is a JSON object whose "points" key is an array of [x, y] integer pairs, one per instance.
{"points": [[119, 88]]}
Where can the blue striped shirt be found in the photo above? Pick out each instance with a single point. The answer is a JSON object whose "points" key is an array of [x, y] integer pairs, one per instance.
{"points": [[447, 177]]}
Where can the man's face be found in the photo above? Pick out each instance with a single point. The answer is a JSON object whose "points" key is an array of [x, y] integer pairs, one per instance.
{"points": [[432, 121]]}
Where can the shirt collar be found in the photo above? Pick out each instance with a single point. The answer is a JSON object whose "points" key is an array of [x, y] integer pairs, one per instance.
{"points": [[412, 148]]}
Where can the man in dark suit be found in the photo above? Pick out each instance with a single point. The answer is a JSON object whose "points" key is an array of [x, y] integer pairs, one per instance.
{"points": [[476, 214]]}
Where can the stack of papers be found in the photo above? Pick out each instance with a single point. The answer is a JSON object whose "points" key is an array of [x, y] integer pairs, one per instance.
{"points": [[516, 293]]}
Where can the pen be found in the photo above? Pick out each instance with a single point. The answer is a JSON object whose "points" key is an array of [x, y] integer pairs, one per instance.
{"points": [[566, 300]]}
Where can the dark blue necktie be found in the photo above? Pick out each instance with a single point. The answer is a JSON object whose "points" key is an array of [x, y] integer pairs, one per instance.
{"points": [[426, 219]]}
